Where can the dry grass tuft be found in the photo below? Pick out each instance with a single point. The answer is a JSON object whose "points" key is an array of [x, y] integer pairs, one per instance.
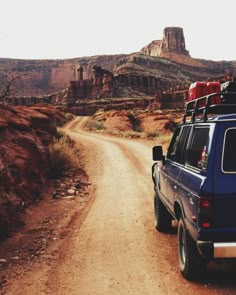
{"points": [[63, 155]]}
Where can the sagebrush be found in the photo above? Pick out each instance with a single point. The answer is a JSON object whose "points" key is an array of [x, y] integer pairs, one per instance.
{"points": [[63, 155]]}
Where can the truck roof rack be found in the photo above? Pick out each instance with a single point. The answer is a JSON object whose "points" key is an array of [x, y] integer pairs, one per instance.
{"points": [[203, 106]]}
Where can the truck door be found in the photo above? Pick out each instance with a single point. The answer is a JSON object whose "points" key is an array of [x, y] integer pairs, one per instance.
{"points": [[192, 178], [178, 162], [164, 171], [172, 167]]}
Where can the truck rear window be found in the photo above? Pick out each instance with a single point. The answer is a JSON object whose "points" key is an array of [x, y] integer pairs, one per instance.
{"points": [[229, 154]]}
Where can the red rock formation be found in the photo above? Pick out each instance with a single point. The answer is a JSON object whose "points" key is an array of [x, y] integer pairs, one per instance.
{"points": [[107, 86], [25, 134], [80, 71], [119, 121], [139, 84], [155, 122], [100, 85], [173, 41]]}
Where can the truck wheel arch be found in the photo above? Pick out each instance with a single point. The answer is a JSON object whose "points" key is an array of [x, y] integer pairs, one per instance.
{"points": [[178, 210]]}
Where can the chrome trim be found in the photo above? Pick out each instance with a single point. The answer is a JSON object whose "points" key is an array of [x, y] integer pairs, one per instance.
{"points": [[224, 250], [222, 120]]}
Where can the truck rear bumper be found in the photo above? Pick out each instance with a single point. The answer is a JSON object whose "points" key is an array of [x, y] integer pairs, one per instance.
{"points": [[224, 250], [216, 250]]}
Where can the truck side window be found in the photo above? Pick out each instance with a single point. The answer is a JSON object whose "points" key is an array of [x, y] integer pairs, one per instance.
{"points": [[173, 145], [197, 153], [181, 148], [177, 148]]}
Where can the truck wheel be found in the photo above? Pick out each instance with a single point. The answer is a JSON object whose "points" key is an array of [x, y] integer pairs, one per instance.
{"points": [[162, 216], [191, 264]]}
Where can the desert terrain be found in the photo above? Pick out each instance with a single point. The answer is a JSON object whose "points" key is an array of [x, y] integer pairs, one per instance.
{"points": [[103, 241]]}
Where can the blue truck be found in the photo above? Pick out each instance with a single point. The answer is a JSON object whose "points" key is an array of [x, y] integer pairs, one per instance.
{"points": [[195, 184]]}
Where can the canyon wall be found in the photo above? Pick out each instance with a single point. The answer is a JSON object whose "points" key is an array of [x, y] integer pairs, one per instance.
{"points": [[42, 77]]}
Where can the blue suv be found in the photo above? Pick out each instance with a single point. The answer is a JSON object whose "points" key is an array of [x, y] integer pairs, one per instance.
{"points": [[195, 184]]}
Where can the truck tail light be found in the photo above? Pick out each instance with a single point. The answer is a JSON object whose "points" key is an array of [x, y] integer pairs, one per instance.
{"points": [[205, 211]]}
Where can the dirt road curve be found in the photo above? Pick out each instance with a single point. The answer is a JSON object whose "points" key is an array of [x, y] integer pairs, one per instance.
{"points": [[112, 247]]}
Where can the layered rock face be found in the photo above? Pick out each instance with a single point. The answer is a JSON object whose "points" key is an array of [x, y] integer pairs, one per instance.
{"points": [[40, 77], [100, 85], [173, 42], [25, 134], [87, 109]]}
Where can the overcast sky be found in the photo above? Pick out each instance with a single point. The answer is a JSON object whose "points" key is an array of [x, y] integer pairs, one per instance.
{"points": [[54, 29]]}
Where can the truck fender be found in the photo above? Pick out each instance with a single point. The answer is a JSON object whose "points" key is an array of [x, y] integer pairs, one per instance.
{"points": [[154, 169]]}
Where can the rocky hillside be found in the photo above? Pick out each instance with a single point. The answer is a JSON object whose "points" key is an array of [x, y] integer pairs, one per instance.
{"points": [[25, 134], [157, 125], [163, 62]]}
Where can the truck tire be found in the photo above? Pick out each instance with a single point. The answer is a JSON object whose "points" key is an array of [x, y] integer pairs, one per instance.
{"points": [[191, 264], [162, 216]]}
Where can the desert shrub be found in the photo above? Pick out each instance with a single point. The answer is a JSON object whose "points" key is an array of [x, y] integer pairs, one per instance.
{"points": [[136, 123], [64, 137], [128, 133], [95, 125], [69, 116], [152, 133], [63, 155]]}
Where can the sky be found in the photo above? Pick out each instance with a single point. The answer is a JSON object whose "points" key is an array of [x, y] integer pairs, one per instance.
{"points": [[60, 29]]}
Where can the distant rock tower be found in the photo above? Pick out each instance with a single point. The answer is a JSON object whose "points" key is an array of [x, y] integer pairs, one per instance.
{"points": [[79, 73], [173, 42]]}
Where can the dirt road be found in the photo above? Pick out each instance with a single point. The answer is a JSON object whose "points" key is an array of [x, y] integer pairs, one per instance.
{"points": [[112, 247]]}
